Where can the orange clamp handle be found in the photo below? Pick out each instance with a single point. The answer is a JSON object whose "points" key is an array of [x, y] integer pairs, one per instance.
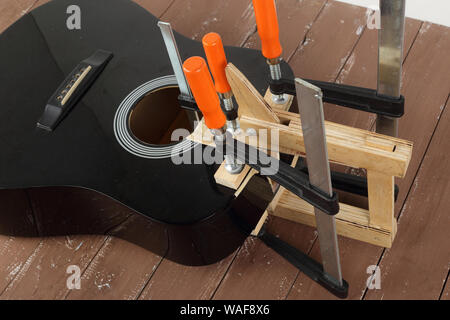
{"points": [[267, 22], [212, 44], [202, 87]]}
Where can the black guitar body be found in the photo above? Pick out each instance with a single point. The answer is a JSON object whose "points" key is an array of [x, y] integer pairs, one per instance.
{"points": [[198, 222]]}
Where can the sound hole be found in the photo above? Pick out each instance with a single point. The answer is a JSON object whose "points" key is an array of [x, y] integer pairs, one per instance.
{"points": [[157, 115]]}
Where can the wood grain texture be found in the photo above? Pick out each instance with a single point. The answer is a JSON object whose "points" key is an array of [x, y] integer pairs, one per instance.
{"points": [[251, 103], [295, 19], [418, 92], [425, 87], [351, 222], [346, 145], [233, 20], [155, 7], [43, 275], [381, 201], [124, 263], [361, 70], [233, 181], [17, 220], [176, 282], [322, 55], [39, 3], [60, 213], [38, 271], [417, 266], [12, 11], [260, 273], [446, 291]]}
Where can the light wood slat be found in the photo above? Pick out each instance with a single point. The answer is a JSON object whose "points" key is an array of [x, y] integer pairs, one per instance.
{"points": [[351, 222], [346, 145]]}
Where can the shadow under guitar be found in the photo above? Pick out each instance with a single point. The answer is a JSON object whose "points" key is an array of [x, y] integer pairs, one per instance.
{"points": [[64, 211]]}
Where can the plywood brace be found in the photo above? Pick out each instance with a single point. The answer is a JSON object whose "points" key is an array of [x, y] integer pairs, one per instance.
{"points": [[383, 157]]}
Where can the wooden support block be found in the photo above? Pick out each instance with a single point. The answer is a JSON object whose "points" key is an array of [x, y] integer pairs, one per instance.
{"points": [[232, 181], [254, 105], [282, 107], [346, 145], [251, 103], [351, 222], [382, 156], [381, 200], [272, 206]]}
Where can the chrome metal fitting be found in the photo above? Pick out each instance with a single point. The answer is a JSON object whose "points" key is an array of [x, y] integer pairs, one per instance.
{"points": [[275, 74], [231, 165]]}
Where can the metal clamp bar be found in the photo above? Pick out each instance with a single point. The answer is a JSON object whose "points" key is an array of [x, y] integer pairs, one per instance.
{"points": [[313, 125], [390, 57]]}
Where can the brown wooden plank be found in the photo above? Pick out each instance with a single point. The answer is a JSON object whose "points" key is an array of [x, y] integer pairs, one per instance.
{"points": [[321, 57], [13, 10], [176, 282], [417, 266], [446, 292], [361, 70], [258, 272], [155, 7], [295, 19], [353, 254], [59, 213], [43, 275], [233, 19], [17, 221], [39, 3], [123, 265], [329, 42], [16, 215]]}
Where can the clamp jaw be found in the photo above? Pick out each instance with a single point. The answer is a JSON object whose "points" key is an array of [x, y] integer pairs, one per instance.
{"points": [[292, 179], [326, 203]]}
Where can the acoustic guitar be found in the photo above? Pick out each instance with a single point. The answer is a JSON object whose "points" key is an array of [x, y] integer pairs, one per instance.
{"points": [[95, 108]]}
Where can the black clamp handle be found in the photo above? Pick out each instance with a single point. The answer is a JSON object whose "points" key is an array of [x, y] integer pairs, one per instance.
{"points": [[290, 178], [362, 99]]}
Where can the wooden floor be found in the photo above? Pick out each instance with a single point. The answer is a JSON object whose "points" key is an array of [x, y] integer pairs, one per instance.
{"points": [[323, 40]]}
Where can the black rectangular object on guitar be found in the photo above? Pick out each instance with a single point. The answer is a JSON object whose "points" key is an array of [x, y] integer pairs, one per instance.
{"points": [[73, 89]]}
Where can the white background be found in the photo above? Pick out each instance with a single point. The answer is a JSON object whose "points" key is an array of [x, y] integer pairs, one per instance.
{"points": [[436, 11]]}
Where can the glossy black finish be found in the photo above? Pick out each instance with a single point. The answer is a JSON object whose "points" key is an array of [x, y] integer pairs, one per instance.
{"points": [[38, 52]]}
